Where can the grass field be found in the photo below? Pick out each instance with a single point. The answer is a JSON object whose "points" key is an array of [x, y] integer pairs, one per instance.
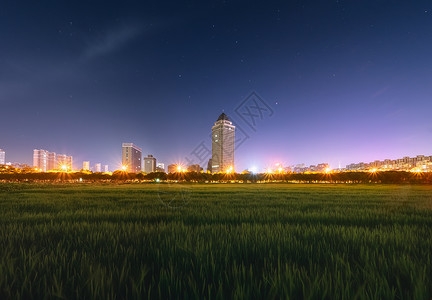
{"points": [[215, 241]]}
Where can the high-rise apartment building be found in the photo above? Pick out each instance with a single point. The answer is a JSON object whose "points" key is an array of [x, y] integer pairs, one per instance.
{"points": [[149, 164], [40, 158], [105, 169], [131, 157], [64, 162], [223, 142], [2, 157], [98, 168], [51, 161], [86, 165]]}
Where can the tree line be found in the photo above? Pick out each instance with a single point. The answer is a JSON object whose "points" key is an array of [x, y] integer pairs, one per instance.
{"points": [[395, 177]]}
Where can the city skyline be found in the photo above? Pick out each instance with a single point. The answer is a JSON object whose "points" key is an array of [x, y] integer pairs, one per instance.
{"points": [[347, 82]]}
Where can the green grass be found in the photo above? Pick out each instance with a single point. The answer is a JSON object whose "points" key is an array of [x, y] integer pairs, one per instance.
{"points": [[215, 241]]}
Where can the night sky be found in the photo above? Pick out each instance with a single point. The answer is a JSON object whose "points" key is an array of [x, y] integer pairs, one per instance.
{"points": [[347, 81]]}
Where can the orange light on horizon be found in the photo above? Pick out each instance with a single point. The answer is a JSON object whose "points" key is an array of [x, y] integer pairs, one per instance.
{"points": [[124, 167]]}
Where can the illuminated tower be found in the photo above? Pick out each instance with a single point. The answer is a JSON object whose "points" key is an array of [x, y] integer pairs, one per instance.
{"points": [[131, 157], [223, 141]]}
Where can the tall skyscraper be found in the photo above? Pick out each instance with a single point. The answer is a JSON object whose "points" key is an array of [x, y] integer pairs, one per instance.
{"points": [[86, 165], [223, 142], [2, 157], [105, 169], [40, 159], [98, 168], [149, 164], [131, 157]]}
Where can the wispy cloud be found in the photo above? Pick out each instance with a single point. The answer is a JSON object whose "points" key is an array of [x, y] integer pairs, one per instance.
{"points": [[113, 41]]}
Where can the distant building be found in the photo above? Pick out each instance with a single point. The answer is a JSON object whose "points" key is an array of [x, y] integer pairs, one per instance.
{"points": [[105, 169], [223, 142], [86, 165], [149, 164], [209, 165], [44, 160], [19, 165], [64, 162], [406, 163], [172, 168], [98, 168], [323, 167], [2, 157], [131, 157], [160, 167], [40, 159], [51, 161], [194, 168]]}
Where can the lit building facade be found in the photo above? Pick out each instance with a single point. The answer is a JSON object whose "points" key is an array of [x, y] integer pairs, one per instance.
{"points": [[223, 144], [172, 168], [2, 157], [406, 163], [160, 167], [44, 160], [98, 168], [149, 164], [86, 165], [51, 161], [131, 157], [105, 169], [40, 158], [64, 162]]}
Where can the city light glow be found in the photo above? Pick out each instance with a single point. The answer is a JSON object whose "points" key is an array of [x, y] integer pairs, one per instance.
{"points": [[124, 167], [253, 169]]}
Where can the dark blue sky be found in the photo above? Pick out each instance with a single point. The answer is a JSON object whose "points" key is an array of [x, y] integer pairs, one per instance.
{"points": [[348, 81]]}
